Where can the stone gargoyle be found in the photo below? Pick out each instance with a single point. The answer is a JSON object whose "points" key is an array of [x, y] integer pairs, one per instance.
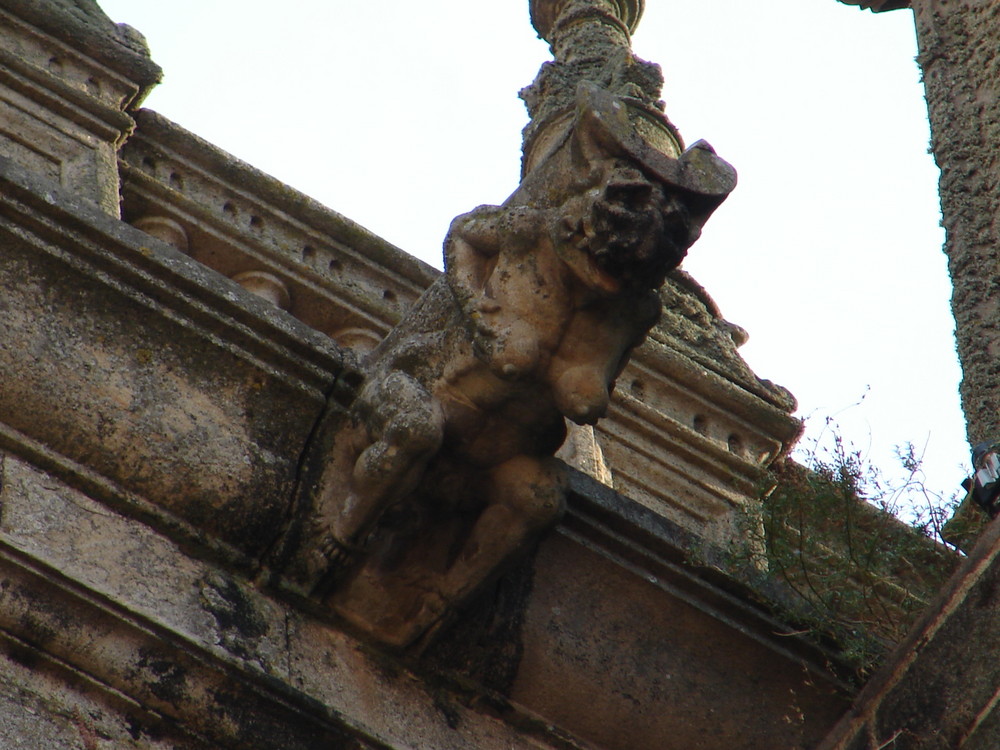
{"points": [[442, 470]]}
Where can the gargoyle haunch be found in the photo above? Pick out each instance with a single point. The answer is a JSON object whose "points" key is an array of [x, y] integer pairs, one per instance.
{"points": [[443, 469]]}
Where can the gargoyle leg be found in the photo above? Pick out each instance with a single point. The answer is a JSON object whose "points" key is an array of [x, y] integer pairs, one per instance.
{"points": [[407, 426], [526, 496]]}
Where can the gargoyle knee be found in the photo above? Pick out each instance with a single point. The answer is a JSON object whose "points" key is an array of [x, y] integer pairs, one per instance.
{"points": [[405, 416], [417, 433], [534, 489]]}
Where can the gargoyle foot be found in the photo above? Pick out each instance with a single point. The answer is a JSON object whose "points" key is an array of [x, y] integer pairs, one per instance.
{"points": [[338, 557]]}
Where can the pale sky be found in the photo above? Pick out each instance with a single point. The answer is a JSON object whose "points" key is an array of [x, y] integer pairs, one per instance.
{"points": [[402, 114]]}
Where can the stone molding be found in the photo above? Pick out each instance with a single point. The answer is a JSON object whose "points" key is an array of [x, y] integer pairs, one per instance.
{"points": [[142, 365], [62, 104], [342, 280], [196, 654], [545, 13], [688, 441], [82, 26]]}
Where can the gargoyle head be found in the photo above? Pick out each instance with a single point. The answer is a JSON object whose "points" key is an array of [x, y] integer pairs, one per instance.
{"points": [[626, 232], [633, 201]]}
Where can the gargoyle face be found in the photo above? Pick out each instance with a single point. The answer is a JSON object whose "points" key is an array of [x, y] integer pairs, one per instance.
{"points": [[632, 231]]}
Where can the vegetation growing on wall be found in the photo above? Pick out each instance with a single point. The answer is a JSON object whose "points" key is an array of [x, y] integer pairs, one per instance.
{"points": [[829, 531]]}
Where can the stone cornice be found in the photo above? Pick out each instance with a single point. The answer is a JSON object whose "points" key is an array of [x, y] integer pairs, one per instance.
{"points": [[197, 643], [151, 372], [340, 277], [154, 269], [84, 27]]}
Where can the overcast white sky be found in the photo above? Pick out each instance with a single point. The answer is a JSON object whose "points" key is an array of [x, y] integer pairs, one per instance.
{"points": [[401, 114]]}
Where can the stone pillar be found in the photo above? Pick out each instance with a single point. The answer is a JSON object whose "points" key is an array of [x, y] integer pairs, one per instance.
{"points": [[961, 69], [68, 77], [591, 41]]}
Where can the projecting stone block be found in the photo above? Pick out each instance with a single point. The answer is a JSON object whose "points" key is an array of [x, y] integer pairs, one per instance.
{"points": [[65, 86]]}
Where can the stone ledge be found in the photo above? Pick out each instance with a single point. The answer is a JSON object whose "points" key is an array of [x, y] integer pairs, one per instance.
{"points": [[190, 644], [151, 371], [186, 641], [106, 122], [645, 638], [83, 26], [694, 569], [341, 279], [66, 83], [109, 251]]}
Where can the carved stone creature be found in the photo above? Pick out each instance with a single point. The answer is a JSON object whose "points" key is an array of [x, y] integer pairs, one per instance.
{"points": [[443, 470]]}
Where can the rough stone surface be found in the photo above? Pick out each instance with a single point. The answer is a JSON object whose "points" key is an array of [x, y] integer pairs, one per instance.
{"points": [[155, 440], [167, 640], [43, 705], [649, 654], [957, 42], [691, 428], [180, 651], [83, 26], [181, 412], [342, 280]]}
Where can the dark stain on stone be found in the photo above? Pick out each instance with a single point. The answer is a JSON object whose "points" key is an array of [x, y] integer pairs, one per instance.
{"points": [[35, 631], [165, 678], [42, 619], [987, 597], [24, 655], [484, 643], [270, 725], [238, 621], [134, 727]]}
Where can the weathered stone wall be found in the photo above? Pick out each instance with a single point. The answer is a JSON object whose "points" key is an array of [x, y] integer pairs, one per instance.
{"points": [[150, 452], [153, 423], [66, 75], [653, 653], [961, 68], [151, 447], [122, 371]]}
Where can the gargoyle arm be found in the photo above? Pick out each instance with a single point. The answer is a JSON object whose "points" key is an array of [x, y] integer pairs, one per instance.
{"points": [[487, 227], [475, 239]]}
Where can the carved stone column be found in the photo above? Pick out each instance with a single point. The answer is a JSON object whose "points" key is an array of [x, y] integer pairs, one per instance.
{"points": [[591, 41]]}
